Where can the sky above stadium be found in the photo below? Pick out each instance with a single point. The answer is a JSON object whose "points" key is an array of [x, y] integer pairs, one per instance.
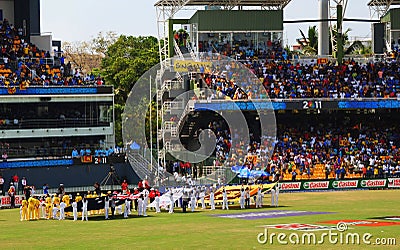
{"points": [[76, 20]]}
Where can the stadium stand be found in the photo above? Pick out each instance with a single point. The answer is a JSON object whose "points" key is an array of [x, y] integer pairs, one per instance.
{"points": [[24, 64]]}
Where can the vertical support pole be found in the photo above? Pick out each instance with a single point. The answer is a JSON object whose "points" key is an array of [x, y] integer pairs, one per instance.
{"points": [[170, 34], [339, 36]]}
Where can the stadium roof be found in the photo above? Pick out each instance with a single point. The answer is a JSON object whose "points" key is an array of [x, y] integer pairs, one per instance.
{"points": [[383, 2], [263, 3]]}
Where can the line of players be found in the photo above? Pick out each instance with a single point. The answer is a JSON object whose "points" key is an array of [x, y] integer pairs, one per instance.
{"points": [[189, 199], [244, 199], [54, 207]]}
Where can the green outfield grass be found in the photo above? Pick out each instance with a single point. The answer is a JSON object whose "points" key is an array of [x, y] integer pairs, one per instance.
{"points": [[200, 230]]}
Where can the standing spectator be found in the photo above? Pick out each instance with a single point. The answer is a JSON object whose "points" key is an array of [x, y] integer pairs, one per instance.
{"points": [[124, 186], [327, 171], [1, 185], [75, 153], [11, 193], [45, 189], [23, 183], [61, 190], [294, 173], [15, 180], [4, 156]]}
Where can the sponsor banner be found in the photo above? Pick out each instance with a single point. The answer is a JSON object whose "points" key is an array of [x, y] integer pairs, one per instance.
{"points": [[290, 186], [191, 66], [365, 223], [6, 200], [301, 227], [310, 185], [378, 183], [393, 182], [345, 184], [268, 214]]}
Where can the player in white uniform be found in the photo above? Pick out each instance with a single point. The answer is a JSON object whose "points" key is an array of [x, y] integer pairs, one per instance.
{"points": [[224, 200], [119, 209], [171, 202], [241, 199], [259, 198], [43, 208], [75, 210], [202, 195], [145, 201], [84, 209], [140, 205], [127, 207], [276, 194], [106, 206], [193, 200], [273, 196], [212, 201], [62, 213], [55, 211], [157, 200]]}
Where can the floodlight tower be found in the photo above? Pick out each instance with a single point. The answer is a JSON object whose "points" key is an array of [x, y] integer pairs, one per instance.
{"points": [[337, 9]]}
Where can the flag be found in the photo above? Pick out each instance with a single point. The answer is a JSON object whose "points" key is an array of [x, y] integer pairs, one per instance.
{"points": [[86, 159]]}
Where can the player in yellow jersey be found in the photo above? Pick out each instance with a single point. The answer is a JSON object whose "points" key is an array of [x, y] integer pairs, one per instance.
{"points": [[65, 199], [56, 200], [37, 206], [24, 208], [78, 198], [31, 208], [48, 206]]}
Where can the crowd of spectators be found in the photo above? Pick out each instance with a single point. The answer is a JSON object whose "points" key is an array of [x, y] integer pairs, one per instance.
{"points": [[283, 78], [288, 80], [343, 146], [23, 64], [343, 149], [245, 49]]}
